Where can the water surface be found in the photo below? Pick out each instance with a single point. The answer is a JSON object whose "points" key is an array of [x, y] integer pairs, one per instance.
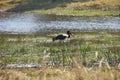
{"points": [[28, 23]]}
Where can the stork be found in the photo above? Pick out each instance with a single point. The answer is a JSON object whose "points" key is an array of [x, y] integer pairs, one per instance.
{"points": [[62, 36]]}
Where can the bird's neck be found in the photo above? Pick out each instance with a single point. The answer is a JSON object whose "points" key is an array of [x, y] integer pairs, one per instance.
{"points": [[68, 36]]}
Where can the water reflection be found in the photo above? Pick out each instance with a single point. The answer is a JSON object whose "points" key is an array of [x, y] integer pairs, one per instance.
{"points": [[25, 23]]}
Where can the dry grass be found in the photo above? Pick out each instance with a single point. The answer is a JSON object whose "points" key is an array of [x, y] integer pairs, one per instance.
{"points": [[12, 75], [29, 5], [79, 72], [7, 4], [97, 4]]}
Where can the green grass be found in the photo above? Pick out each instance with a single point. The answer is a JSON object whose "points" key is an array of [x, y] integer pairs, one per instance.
{"points": [[29, 48], [76, 12], [74, 59]]}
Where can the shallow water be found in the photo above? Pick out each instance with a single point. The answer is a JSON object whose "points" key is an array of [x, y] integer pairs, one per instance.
{"points": [[28, 23]]}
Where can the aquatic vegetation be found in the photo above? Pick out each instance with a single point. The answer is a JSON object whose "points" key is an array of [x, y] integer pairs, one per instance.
{"points": [[31, 48], [92, 54]]}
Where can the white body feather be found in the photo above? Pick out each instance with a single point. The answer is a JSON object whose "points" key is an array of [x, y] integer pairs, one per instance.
{"points": [[65, 35]]}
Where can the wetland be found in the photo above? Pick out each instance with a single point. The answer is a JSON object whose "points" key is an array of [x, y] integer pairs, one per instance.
{"points": [[26, 47]]}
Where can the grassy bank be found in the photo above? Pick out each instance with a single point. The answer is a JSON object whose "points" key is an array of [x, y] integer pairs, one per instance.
{"points": [[76, 12], [85, 8], [78, 8], [94, 54]]}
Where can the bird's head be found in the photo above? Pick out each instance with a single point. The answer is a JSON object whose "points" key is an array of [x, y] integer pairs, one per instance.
{"points": [[69, 33]]}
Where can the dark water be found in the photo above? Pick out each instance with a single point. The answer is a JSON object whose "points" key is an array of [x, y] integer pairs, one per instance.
{"points": [[27, 23]]}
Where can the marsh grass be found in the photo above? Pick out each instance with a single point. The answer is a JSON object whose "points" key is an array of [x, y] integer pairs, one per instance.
{"points": [[31, 47], [87, 8], [78, 8], [79, 72], [92, 54]]}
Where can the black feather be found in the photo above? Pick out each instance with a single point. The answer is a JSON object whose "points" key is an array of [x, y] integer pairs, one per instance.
{"points": [[62, 36]]}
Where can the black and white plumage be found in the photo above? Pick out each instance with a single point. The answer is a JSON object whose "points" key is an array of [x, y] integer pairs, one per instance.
{"points": [[62, 36]]}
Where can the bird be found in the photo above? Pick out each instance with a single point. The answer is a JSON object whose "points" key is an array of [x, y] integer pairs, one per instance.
{"points": [[62, 36]]}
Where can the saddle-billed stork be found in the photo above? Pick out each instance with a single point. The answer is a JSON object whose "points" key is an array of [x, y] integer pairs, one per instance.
{"points": [[62, 36]]}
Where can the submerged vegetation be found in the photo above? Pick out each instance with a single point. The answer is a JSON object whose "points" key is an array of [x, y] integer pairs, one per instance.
{"points": [[95, 54]]}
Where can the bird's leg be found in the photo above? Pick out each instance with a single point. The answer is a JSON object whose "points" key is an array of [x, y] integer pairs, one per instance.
{"points": [[61, 41]]}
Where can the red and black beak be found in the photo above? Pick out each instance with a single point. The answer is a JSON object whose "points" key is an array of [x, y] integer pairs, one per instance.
{"points": [[69, 33]]}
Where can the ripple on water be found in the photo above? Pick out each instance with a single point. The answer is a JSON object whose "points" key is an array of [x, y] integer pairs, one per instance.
{"points": [[28, 23]]}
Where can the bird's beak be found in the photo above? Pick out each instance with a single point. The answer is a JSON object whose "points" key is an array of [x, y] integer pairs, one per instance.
{"points": [[72, 35]]}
